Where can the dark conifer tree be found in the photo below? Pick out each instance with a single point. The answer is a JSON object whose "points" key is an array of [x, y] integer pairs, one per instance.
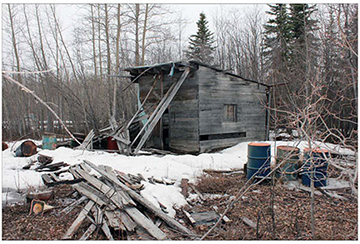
{"points": [[304, 46], [201, 44], [277, 35]]}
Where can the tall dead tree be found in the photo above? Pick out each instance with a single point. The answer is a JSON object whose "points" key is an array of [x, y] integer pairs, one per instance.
{"points": [[143, 47], [137, 46]]}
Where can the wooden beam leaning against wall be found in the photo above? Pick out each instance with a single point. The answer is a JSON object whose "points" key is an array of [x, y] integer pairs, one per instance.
{"points": [[159, 111]]}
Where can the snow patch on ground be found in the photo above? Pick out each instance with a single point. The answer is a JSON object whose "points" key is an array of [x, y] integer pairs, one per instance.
{"points": [[174, 167], [156, 193]]}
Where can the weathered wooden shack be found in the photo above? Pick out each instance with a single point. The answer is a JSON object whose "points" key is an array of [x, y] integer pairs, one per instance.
{"points": [[192, 107]]}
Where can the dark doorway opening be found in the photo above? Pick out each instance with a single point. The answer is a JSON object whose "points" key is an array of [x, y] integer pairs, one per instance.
{"points": [[166, 139]]}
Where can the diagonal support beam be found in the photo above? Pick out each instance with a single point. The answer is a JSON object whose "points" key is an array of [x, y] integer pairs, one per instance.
{"points": [[159, 111]]}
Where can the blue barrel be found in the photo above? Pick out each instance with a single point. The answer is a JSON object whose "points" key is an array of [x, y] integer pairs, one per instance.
{"points": [[259, 156], [319, 172], [49, 142], [288, 157]]}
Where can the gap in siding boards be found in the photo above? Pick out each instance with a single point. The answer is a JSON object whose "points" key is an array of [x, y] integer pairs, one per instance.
{"points": [[222, 136]]}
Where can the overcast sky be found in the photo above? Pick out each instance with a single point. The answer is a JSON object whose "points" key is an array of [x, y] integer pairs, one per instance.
{"points": [[190, 12]]}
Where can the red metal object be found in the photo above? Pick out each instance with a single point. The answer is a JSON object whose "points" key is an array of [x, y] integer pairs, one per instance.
{"points": [[111, 144], [4, 146], [26, 149]]}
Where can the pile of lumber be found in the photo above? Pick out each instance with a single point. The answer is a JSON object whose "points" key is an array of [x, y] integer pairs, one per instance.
{"points": [[112, 203]]}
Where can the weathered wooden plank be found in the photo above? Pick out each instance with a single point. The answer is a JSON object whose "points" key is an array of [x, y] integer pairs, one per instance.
{"points": [[88, 232], [146, 223], [106, 230], [170, 221], [47, 179], [98, 184], [85, 144], [205, 217], [54, 176], [142, 235], [129, 224], [167, 99], [73, 172], [73, 205], [125, 198], [123, 177], [99, 219], [197, 192], [248, 222], [102, 187], [135, 214], [123, 140], [189, 218], [76, 224], [225, 218], [184, 145], [51, 167], [114, 220], [91, 193]]}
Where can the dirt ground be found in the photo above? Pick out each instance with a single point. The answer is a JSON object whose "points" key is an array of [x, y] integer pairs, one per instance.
{"points": [[288, 219]]}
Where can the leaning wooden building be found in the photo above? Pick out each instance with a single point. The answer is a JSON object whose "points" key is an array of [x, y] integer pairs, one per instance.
{"points": [[192, 107]]}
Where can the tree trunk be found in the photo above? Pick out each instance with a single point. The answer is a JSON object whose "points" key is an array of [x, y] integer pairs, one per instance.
{"points": [[64, 44], [99, 43], [108, 58], [14, 42], [144, 35], [137, 55], [117, 48], [93, 39]]}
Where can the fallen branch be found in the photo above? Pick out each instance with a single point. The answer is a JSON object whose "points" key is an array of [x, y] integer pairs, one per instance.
{"points": [[27, 90]]}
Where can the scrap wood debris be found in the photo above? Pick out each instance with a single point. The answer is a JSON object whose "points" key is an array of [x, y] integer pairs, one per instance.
{"points": [[113, 204], [104, 207]]}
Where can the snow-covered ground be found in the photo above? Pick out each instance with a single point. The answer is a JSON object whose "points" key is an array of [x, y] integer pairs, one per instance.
{"points": [[174, 167]]}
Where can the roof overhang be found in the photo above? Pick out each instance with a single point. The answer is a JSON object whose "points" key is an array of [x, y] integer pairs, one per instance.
{"points": [[172, 67]]}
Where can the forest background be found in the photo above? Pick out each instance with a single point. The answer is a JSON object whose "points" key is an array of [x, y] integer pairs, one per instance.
{"points": [[307, 53]]}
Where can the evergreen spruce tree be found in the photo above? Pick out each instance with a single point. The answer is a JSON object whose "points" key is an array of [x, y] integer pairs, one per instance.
{"points": [[300, 21], [303, 44], [277, 35], [276, 52], [201, 44]]}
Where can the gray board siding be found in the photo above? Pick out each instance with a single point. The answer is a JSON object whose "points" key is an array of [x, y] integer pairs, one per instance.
{"points": [[215, 91], [196, 115], [184, 117]]}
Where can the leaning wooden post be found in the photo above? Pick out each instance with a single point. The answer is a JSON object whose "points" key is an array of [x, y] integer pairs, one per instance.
{"points": [[159, 111], [25, 89]]}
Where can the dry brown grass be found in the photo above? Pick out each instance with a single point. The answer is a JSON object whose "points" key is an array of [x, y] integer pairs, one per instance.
{"points": [[334, 219], [216, 183]]}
